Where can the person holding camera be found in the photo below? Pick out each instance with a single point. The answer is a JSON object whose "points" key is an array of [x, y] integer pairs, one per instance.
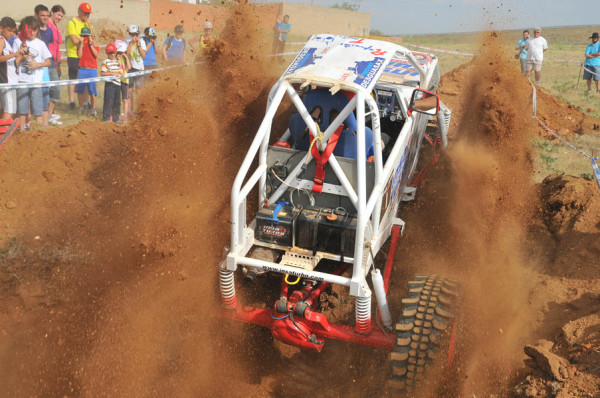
{"points": [[136, 50], [32, 57], [88, 51]]}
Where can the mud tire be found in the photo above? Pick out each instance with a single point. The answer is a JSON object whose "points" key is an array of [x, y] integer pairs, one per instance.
{"points": [[423, 331]]}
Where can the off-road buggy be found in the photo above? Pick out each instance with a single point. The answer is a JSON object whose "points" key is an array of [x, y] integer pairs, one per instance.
{"points": [[328, 194]]}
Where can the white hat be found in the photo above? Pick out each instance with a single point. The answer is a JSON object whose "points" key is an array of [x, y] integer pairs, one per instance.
{"points": [[134, 29], [207, 25], [121, 46]]}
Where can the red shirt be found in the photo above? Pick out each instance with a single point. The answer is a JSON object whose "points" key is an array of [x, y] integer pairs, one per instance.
{"points": [[88, 60]]}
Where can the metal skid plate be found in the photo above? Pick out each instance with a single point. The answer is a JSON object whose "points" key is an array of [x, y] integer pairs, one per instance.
{"points": [[300, 260]]}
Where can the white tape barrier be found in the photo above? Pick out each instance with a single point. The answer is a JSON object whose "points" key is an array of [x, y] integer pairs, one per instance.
{"points": [[439, 50], [64, 50], [92, 79], [594, 160]]}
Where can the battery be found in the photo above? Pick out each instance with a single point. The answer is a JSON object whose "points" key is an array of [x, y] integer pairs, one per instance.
{"points": [[275, 224], [326, 230]]}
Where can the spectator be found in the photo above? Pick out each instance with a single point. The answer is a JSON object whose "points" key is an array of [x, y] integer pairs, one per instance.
{"points": [[87, 50], [285, 28], [43, 14], [592, 62], [536, 48], [136, 50], [124, 65], [33, 56], [74, 27], [522, 55], [276, 35], [174, 47], [56, 15], [150, 41], [206, 39], [112, 88], [8, 70]]}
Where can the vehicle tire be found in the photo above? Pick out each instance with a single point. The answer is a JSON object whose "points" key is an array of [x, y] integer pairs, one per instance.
{"points": [[425, 329]]}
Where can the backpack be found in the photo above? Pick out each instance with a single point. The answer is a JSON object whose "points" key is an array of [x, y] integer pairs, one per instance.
{"points": [[170, 41]]}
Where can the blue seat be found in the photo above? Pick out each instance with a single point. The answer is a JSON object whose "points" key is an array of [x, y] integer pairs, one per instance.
{"points": [[331, 106]]}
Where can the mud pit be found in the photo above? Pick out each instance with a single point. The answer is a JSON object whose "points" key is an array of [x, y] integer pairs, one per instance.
{"points": [[110, 238]]}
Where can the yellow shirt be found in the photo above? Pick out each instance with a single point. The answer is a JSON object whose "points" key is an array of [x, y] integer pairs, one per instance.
{"points": [[74, 28]]}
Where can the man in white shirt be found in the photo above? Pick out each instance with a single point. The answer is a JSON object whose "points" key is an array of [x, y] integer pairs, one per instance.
{"points": [[536, 47]]}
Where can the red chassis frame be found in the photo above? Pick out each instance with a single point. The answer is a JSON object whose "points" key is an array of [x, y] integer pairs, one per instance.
{"points": [[293, 321]]}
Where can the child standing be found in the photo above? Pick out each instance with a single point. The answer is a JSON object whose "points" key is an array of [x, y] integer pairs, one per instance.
{"points": [[8, 69], [174, 47], [87, 51], [112, 88], [124, 66], [32, 57]]}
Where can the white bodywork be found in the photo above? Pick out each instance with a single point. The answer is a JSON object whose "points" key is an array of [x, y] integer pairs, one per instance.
{"points": [[335, 62]]}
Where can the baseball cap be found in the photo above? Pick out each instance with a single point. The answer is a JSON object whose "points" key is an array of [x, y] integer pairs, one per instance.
{"points": [[121, 46], [85, 31], [152, 32], [85, 7], [207, 25], [134, 29], [594, 35], [111, 48]]}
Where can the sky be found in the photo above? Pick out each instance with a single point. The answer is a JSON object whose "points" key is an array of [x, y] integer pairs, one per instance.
{"points": [[449, 16]]}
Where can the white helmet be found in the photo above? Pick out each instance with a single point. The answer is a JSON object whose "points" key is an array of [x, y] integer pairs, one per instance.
{"points": [[121, 46], [134, 29], [207, 25]]}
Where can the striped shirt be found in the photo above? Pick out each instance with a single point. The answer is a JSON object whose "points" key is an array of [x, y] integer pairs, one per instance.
{"points": [[112, 66]]}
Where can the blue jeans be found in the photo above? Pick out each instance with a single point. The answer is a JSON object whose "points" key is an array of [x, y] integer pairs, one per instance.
{"points": [[30, 98]]}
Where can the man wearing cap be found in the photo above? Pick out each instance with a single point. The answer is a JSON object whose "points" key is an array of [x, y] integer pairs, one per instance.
{"points": [[136, 51], [592, 63], [536, 47], [74, 26]]}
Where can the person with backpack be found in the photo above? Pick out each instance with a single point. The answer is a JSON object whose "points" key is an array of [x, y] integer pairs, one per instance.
{"points": [[174, 47]]}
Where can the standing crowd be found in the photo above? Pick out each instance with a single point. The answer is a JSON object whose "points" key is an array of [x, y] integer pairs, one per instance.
{"points": [[531, 55], [31, 53]]}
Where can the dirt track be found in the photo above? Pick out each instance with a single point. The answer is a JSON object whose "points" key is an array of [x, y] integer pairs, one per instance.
{"points": [[110, 238]]}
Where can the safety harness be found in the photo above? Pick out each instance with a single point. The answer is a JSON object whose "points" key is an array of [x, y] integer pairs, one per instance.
{"points": [[323, 157]]}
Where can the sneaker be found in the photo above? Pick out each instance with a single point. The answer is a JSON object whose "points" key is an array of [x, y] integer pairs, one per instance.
{"points": [[93, 112], [27, 127], [55, 122], [55, 116], [87, 105], [72, 106], [124, 119]]}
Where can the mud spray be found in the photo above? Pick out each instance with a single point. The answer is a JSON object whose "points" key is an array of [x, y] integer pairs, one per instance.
{"points": [[134, 314], [473, 221]]}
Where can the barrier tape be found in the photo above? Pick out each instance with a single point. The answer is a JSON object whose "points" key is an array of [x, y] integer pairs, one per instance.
{"points": [[92, 79], [593, 73], [541, 123], [439, 50], [109, 78]]}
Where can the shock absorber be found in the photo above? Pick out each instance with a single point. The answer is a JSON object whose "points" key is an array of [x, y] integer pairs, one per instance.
{"points": [[227, 286], [363, 314]]}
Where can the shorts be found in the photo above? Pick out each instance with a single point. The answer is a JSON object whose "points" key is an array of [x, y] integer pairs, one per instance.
{"points": [[30, 99], [85, 73], [135, 81], [73, 64], [124, 90], [45, 97], [523, 64], [8, 99], [54, 90], [591, 72], [534, 65]]}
